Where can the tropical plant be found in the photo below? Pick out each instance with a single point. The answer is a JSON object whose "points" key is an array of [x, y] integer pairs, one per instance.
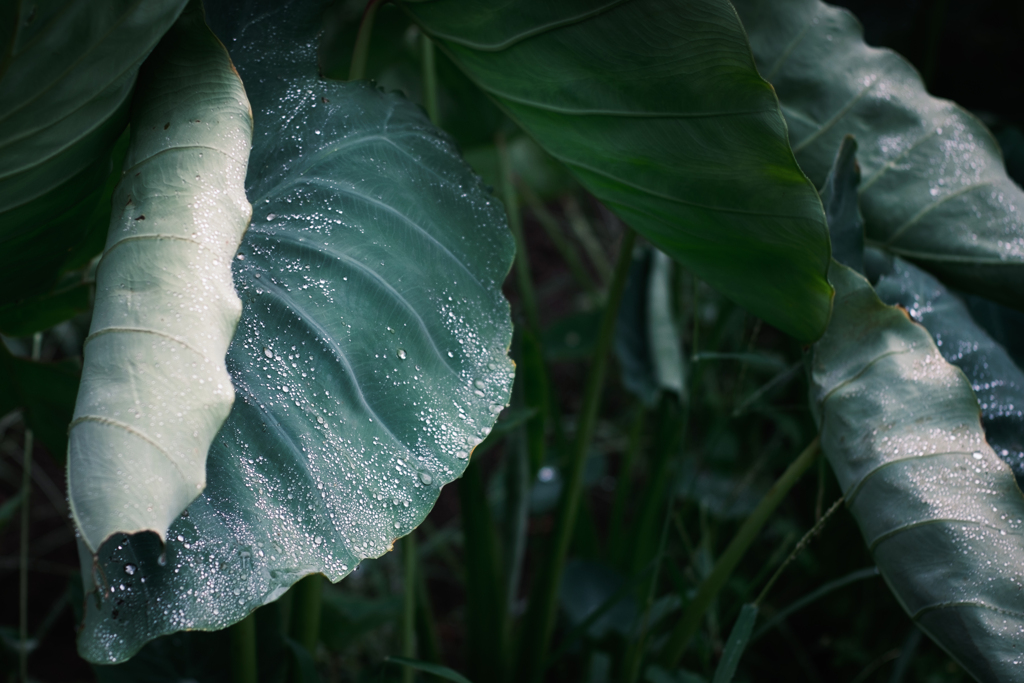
{"points": [[295, 335]]}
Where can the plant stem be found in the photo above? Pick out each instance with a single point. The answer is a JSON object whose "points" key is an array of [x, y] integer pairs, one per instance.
{"points": [[409, 604], [243, 651], [362, 47], [544, 599], [429, 78], [306, 612], [687, 626], [622, 488], [515, 223], [26, 493]]}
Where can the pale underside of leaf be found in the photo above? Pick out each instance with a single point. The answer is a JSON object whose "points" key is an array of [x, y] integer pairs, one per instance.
{"points": [[155, 389], [940, 511], [934, 185], [371, 357], [667, 123]]}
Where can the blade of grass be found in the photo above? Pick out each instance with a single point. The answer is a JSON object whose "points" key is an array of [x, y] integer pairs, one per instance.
{"points": [[362, 46], [26, 494], [585, 234], [540, 618], [243, 651], [687, 626], [803, 543], [825, 589], [409, 603], [739, 637], [426, 667], [516, 524], [554, 232], [429, 79], [485, 606]]}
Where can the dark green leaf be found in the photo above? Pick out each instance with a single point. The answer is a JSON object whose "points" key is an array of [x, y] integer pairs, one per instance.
{"points": [[66, 76], [934, 186], [995, 378], [671, 129], [43, 312], [371, 356], [939, 510]]}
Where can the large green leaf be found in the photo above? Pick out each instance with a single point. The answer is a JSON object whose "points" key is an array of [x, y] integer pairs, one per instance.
{"points": [[934, 186], [939, 510], [155, 389], [656, 106], [370, 359], [67, 70], [995, 378]]}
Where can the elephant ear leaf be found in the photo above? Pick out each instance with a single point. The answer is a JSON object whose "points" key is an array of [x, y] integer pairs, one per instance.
{"points": [[674, 132], [934, 189], [940, 511], [370, 359], [155, 388], [67, 70]]}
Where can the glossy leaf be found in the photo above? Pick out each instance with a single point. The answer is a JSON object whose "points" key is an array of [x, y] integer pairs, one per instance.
{"points": [[995, 378], [66, 76], [155, 389], [934, 187], [370, 359], [668, 124], [939, 510]]}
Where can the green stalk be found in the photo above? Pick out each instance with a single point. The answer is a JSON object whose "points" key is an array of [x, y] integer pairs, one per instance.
{"points": [[243, 651], [409, 605], [362, 47], [540, 619], [622, 488], [515, 224], [26, 493], [558, 238], [429, 78], [306, 612], [687, 626]]}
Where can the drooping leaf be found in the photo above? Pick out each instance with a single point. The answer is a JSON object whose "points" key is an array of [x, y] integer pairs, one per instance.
{"points": [[939, 510], [667, 122], [934, 187], [995, 378], [370, 359], [155, 389], [839, 197], [647, 342], [66, 76]]}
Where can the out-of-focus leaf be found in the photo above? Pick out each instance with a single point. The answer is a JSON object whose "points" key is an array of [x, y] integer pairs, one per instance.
{"points": [[839, 197], [674, 132], [546, 177], [43, 312], [647, 341], [66, 81], [426, 667], [370, 359], [46, 394], [572, 337], [941, 512], [995, 378], [155, 389], [934, 186], [586, 587], [347, 618]]}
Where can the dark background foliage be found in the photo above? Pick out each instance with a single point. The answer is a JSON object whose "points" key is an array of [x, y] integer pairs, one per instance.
{"points": [[740, 436]]}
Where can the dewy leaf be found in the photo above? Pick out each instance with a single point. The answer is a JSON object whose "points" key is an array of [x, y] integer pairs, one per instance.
{"points": [[155, 389], [934, 186], [667, 122], [995, 378], [939, 510], [370, 359], [67, 70]]}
